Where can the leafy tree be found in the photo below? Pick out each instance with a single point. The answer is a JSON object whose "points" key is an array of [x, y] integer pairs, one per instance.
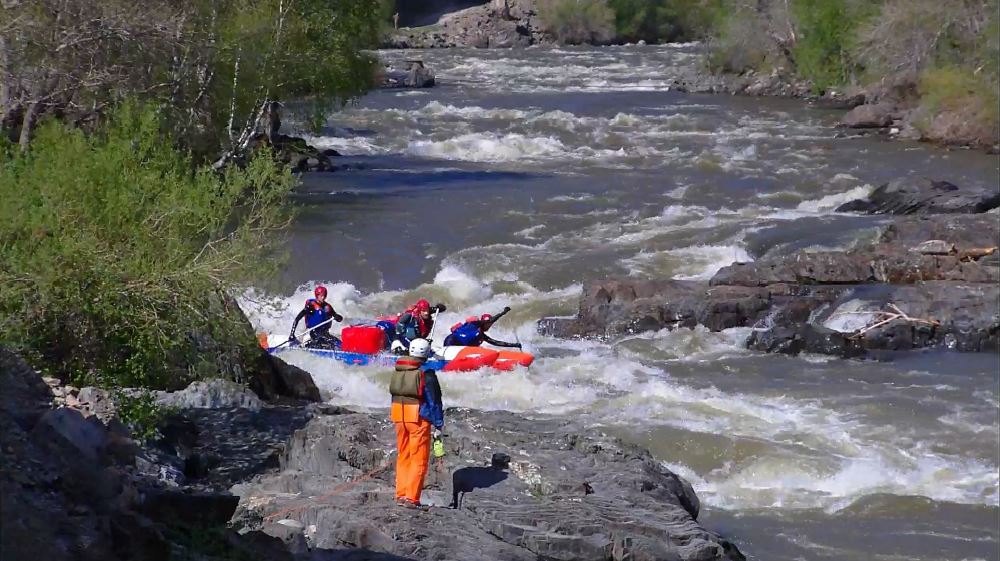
{"points": [[214, 66]]}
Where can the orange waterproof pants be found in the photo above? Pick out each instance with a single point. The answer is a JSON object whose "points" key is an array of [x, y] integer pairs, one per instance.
{"points": [[413, 442]]}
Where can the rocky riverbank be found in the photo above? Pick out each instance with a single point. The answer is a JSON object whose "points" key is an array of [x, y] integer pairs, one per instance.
{"points": [[509, 488], [497, 24], [234, 476], [928, 279]]}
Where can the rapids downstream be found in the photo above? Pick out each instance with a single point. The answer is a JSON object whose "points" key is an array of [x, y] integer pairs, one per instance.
{"points": [[527, 173]]}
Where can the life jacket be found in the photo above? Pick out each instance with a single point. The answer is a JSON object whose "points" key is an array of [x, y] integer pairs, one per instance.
{"points": [[407, 382], [318, 313], [469, 334], [419, 327]]}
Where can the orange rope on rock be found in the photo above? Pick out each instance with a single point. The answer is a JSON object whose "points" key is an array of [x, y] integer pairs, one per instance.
{"points": [[274, 516]]}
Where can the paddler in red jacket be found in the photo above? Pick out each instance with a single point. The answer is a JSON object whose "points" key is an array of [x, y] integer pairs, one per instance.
{"points": [[415, 323]]}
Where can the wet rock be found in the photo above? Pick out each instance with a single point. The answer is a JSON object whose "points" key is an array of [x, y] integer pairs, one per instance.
{"points": [[419, 76], [291, 533], [964, 231], [878, 115], [293, 151], [274, 379], [924, 196], [211, 394], [935, 247], [855, 267], [557, 494], [941, 271], [294, 382]]}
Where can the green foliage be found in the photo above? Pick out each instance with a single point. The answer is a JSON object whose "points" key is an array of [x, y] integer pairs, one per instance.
{"points": [[827, 27], [140, 412], [960, 91], [737, 45], [302, 49], [209, 543], [118, 256], [578, 21], [656, 21]]}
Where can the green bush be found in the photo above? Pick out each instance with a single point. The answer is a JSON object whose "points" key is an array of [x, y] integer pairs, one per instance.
{"points": [[118, 257], [827, 32], [658, 21], [736, 44], [577, 22], [140, 412], [959, 105]]}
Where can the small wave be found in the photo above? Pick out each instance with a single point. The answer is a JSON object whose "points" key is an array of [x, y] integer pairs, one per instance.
{"points": [[438, 109], [486, 147], [831, 202], [348, 146]]}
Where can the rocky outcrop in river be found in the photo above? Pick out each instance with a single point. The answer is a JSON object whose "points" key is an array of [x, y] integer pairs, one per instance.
{"points": [[925, 281], [509, 488], [497, 24]]}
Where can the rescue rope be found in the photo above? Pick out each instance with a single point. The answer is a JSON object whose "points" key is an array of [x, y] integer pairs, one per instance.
{"points": [[274, 516]]}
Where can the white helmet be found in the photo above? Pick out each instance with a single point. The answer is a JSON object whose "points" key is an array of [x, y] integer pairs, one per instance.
{"points": [[420, 348]]}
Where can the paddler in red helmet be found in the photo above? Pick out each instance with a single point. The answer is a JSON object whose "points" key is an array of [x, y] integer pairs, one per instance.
{"points": [[472, 333], [319, 314], [415, 323]]}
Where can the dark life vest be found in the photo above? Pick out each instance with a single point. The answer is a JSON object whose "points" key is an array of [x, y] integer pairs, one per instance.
{"points": [[407, 382]]}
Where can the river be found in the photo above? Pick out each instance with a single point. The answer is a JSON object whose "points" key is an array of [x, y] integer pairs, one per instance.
{"points": [[526, 173]]}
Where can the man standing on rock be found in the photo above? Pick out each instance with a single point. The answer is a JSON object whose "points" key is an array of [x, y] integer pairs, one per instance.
{"points": [[416, 407]]}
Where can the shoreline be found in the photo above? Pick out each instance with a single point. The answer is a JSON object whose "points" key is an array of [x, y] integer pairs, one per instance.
{"points": [[865, 111]]}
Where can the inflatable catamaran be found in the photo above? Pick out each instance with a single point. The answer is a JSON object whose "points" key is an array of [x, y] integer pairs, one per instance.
{"points": [[365, 345]]}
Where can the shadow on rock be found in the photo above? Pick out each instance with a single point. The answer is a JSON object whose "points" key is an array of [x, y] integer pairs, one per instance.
{"points": [[467, 479]]}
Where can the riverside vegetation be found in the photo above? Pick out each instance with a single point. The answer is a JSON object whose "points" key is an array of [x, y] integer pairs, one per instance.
{"points": [[125, 228], [941, 59]]}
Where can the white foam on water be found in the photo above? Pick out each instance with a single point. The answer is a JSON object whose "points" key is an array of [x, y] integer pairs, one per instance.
{"points": [[831, 202], [438, 109], [531, 232], [817, 456], [567, 198], [699, 262], [488, 147], [348, 146], [705, 260]]}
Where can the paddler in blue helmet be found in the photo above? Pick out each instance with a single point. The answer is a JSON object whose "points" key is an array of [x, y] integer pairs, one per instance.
{"points": [[472, 333]]}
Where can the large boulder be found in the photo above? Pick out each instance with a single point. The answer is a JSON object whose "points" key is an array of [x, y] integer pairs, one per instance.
{"points": [[871, 116], [418, 76], [211, 394], [273, 379], [924, 196], [519, 489]]}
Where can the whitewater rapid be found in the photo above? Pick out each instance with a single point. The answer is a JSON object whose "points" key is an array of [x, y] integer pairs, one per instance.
{"points": [[527, 174]]}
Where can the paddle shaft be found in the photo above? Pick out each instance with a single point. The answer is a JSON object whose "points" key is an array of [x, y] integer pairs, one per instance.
{"points": [[304, 332]]}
